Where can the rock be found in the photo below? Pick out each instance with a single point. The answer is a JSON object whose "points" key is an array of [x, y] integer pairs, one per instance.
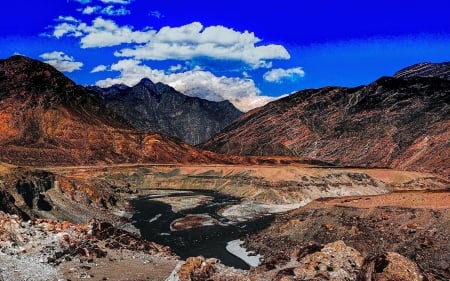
{"points": [[197, 269], [201, 269], [335, 261], [389, 266]]}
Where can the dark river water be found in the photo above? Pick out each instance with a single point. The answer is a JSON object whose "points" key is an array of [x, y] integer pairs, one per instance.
{"points": [[153, 219]]}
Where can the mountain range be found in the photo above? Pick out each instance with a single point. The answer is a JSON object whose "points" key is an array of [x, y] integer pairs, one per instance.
{"points": [[392, 122], [160, 108], [400, 122], [46, 119]]}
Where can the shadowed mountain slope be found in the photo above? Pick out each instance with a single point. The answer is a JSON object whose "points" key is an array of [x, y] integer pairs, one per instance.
{"points": [[160, 108]]}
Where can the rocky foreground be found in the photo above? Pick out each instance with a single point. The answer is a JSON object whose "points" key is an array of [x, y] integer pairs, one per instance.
{"points": [[44, 249]]}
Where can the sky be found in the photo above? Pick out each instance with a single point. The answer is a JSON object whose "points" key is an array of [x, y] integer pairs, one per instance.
{"points": [[248, 52]]}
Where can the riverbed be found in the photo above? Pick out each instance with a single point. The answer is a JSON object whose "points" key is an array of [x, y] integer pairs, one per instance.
{"points": [[155, 220]]}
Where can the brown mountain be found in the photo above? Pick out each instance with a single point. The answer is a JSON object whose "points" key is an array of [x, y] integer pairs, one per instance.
{"points": [[390, 123], [46, 119]]}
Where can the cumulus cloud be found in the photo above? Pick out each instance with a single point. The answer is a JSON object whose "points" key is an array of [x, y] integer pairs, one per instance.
{"points": [[195, 40], [102, 33], [180, 43], [199, 83], [279, 74], [99, 68], [61, 61]]}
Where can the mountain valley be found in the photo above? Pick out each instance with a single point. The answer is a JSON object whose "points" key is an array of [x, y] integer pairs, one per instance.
{"points": [[354, 182]]}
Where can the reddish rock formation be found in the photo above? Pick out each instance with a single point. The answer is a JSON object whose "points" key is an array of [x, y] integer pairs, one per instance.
{"points": [[45, 119], [390, 123]]}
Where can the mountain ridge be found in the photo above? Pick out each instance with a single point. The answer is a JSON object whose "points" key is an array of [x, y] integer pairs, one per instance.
{"points": [[425, 69], [46, 119], [157, 107], [391, 122]]}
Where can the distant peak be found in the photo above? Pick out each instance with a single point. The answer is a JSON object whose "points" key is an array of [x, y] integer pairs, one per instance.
{"points": [[146, 82]]}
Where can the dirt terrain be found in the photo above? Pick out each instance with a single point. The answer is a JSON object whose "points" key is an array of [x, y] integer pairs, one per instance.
{"points": [[416, 224], [412, 223]]}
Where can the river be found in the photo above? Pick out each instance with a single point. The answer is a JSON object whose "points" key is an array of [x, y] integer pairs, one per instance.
{"points": [[153, 219]]}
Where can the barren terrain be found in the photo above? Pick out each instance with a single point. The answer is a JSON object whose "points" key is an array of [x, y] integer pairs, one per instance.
{"points": [[410, 222]]}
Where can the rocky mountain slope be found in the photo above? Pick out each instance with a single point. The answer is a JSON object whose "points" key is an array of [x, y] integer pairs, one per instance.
{"points": [[160, 108], [414, 224], [46, 119], [426, 69], [390, 123]]}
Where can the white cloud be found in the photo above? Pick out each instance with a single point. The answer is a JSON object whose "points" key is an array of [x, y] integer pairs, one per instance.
{"points": [[67, 19], [176, 68], [89, 10], [99, 68], [66, 29], [108, 10], [112, 11], [102, 33], [217, 42], [181, 43], [199, 83], [279, 74], [61, 61], [123, 2]]}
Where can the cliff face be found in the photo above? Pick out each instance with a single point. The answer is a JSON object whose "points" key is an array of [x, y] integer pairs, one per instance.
{"points": [[45, 119], [390, 123], [160, 108]]}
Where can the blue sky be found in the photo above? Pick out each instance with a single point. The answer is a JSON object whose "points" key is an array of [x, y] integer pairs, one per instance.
{"points": [[245, 51]]}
